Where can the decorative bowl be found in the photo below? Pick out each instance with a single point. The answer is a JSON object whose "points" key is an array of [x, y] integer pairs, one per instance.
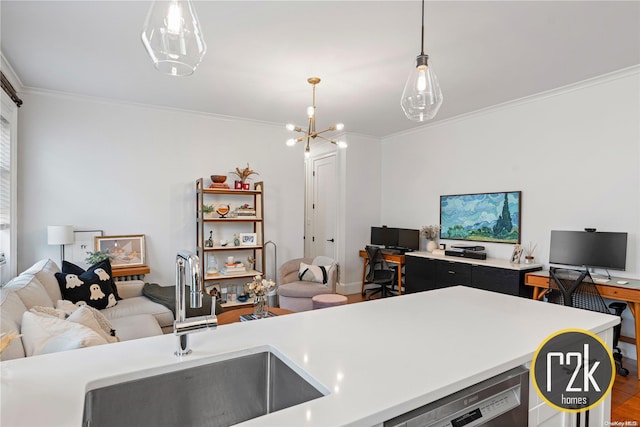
{"points": [[218, 179], [243, 297]]}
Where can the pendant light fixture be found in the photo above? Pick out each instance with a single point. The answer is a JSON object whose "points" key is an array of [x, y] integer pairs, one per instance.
{"points": [[173, 38], [310, 133], [422, 97]]}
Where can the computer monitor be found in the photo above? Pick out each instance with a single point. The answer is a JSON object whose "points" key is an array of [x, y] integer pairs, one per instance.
{"points": [[590, 249], [384, 236], [408, 239]]}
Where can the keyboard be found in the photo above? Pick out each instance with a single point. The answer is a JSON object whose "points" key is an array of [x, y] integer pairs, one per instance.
{"points": [[598, 280]]}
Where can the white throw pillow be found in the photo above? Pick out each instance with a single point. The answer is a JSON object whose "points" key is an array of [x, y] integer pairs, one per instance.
{"points": [[314, 273], [48, 311], [93, 319], [67, 306], [47, 334]]}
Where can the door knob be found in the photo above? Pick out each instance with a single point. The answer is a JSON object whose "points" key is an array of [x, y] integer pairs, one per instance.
{"points": [[330, 240]]}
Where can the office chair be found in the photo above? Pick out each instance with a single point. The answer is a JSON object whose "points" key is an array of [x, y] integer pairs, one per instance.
{"points": [[379, 273], [576, 289]]}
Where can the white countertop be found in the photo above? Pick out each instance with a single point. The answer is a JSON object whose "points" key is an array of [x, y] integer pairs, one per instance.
{"points": [[378, 359], [489, 262]]}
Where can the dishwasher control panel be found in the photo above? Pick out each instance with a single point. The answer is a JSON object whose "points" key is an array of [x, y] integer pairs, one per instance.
{"points": [[503, 398]]}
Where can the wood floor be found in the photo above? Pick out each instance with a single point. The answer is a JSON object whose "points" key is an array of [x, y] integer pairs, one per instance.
{"points": [[625, 396]]}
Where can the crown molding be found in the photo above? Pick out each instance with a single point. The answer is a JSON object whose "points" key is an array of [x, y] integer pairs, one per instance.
{"points": [[594, 81]]}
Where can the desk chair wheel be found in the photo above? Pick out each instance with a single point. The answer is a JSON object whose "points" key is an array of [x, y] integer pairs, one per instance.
{"points": [[617, 358]]}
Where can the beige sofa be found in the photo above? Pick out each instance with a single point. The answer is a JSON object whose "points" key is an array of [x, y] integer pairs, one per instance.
{"points": [[134, 316]]}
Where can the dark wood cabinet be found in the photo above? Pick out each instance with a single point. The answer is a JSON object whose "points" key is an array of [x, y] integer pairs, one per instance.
{"points": [[452, 273], [424, 274]]}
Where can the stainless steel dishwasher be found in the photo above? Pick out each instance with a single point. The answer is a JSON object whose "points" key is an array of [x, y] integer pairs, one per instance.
{"points": [[497, 402]]}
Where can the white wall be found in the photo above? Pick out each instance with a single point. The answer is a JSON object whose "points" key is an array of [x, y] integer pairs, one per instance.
{"points": [[574, 153], [130, 169], [361, 178]]}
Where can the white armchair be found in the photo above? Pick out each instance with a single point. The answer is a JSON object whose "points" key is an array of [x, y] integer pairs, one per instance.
{"points": [[295, 294]]}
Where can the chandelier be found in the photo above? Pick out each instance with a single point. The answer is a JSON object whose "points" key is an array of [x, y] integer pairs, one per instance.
{"points": [[422, 96], [173, 38], [310, 133]]}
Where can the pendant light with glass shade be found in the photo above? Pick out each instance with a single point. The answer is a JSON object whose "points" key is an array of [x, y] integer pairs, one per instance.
{"points": [[173, 38], [310, 133], [422, 96]]}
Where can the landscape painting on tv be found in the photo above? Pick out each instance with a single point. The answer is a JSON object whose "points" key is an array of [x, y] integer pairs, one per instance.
{"points": [[484, 217]]}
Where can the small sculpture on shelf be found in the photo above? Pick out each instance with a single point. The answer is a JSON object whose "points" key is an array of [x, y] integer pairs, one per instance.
{"points": [[236, 240], [209, 242], [218, 181], [223, 210]]}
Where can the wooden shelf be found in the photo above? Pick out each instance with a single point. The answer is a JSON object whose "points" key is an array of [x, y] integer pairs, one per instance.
{"points": [[130, 271], [230, 191], [232, 248], [219, 276], [224, 227], [236, 219]]}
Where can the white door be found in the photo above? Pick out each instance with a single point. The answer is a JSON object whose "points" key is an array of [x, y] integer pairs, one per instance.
{"points": [[322, 207]]}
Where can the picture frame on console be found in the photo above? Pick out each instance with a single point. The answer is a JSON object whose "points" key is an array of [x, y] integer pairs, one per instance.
{"points": [[482, 217], [125, 251], [517, 254]]}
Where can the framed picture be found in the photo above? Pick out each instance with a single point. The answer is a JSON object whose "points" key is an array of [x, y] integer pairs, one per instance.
{"points": [[517, 253], [482, 217], [83, 243], [248, 239], [125, 251]]}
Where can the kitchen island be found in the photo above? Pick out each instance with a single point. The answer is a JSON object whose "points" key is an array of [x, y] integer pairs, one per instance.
{"points": [[373, 360]]}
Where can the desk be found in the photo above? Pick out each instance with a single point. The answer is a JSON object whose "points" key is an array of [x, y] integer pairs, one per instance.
{"points": [[629, 293], [392, 258], [233, 316]]}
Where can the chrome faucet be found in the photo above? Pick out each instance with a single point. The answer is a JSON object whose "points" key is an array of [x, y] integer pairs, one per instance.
{"points": [[182, 326]]}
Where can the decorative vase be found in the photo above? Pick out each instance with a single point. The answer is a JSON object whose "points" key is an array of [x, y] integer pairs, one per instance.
{"points": [[431, 246], [260, 308], [529, 260]]}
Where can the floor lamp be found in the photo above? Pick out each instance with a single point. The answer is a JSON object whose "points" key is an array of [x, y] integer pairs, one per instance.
{"points": [[60, 235]]}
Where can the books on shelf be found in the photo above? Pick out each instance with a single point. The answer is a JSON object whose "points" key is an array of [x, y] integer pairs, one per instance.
{"points": [[233, 268], [246, 212]]}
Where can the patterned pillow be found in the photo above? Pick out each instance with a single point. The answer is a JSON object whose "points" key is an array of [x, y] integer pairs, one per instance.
{"points": [[94, 287], [68, 267], [314, 273]]}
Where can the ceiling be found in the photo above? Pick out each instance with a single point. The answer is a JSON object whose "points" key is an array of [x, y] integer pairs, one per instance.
{"points": [[260, 54]]}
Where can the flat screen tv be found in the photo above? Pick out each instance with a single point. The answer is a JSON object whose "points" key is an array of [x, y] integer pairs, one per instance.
{"points": [[606, 250]]}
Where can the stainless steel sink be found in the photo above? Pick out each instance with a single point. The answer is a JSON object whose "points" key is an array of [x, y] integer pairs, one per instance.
{"points": [[220, 393]]}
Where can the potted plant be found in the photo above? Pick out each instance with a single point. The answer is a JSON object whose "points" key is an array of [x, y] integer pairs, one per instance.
{"points": [[431, 233], [97, 256], [207, 211], [243, 175]]}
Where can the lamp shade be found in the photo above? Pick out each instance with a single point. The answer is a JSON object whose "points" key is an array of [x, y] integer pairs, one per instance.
{"points": [[60, 234], [173, 38], [422, 96]]}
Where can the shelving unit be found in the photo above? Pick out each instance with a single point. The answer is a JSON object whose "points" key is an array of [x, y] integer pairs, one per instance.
{"points": [[225, 228]]}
